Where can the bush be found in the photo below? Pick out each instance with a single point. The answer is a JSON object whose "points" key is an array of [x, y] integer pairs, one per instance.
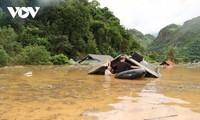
{"points": [[4, 57], [60, 59], [34, 55], [8, 41]]}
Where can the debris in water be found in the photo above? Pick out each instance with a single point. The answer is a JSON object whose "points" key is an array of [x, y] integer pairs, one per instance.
{"points": [[28, 74]]}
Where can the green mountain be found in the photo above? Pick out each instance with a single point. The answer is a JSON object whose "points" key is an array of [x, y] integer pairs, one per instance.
{"points": [[184, 39], [144, 40], [61, 29]]}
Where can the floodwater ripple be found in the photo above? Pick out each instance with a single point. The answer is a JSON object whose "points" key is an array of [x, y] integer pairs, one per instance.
{"points": [[68, 92]]}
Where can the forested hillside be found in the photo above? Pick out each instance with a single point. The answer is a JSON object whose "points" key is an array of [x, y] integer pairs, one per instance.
{"points": [[184, 41], [62, 29], [144, 40]]}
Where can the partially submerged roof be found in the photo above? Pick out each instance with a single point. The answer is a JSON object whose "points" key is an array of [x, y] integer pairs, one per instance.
{"points": [[98, 58], [152, 71], [98, 70], [168, 62]]}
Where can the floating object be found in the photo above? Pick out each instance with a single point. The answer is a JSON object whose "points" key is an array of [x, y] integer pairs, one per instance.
{"points": [[131, 74], [28, 74]]}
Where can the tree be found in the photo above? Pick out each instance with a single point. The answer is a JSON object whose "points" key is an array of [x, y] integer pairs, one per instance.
{"points": [[8, 41], [34, 55], [192, 51], [60, 59], [91, 46], [171, 52], [60, 45], [4, 57], [32, 36]]}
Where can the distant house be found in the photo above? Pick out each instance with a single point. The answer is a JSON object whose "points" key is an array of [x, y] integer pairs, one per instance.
{"points": [[95, 59], [168, 62]]}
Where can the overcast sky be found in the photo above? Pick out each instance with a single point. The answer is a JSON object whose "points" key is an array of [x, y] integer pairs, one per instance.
{"points": [[149, 16]]}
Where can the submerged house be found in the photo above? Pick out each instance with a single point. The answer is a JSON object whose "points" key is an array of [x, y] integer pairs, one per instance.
{"points": [[168, 62], [95, 59], [136, 60]]}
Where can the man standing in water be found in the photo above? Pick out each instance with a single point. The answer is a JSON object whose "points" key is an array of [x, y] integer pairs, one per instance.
{"points": [[123, 66]]}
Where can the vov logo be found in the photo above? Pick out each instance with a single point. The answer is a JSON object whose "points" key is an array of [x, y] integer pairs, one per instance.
{"points": [[23, 12]]}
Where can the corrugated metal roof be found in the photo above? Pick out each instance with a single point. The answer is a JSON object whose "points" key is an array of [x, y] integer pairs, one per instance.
{"points": [[147, 66], [152, 70], [100, 58]]}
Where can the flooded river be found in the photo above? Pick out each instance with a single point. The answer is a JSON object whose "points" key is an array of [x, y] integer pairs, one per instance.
{"points": [[69, 93]]}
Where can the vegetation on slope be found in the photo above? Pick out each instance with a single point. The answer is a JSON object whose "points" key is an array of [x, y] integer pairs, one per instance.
{"points": [[61, 29], [144, 40], [185, 40]]}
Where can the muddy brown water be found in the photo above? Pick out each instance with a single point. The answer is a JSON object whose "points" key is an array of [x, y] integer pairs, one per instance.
{"points": [[69, 93]]}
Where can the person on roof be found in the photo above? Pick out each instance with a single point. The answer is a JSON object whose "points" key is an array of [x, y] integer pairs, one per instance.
{"points": [[122, 65]]}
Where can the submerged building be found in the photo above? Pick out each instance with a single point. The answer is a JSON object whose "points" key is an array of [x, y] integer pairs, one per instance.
{"points": [[95, 59]]}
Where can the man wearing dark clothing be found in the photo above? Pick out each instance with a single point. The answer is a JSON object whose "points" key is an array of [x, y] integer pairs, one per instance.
{"points": [[123, 66]]}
